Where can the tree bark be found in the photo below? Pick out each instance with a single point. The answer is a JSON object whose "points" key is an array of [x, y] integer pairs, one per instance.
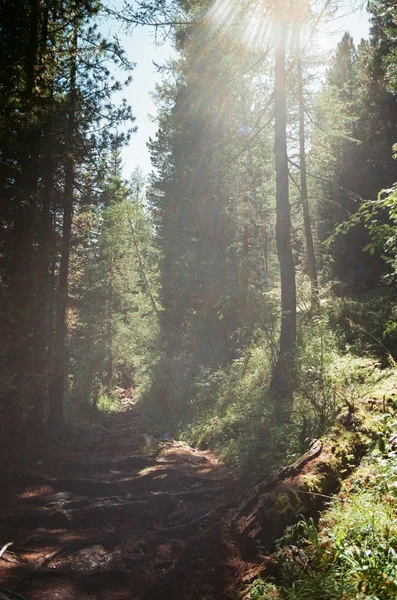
{"points": [[260, 254], [311, 258], [57, 386], [44, 283], [45, 248], [282, 383], [109, 383], [21, 280]]}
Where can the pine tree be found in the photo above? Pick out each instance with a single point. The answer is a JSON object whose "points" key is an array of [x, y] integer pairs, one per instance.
{"points": [[114, 281], [52, 102]]}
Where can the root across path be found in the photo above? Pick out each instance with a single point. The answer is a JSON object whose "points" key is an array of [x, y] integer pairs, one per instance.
{"points": [[117, 515], [105, 515]]}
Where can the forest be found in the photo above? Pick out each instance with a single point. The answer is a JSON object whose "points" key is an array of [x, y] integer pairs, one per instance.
{"points": [[198, 384]]}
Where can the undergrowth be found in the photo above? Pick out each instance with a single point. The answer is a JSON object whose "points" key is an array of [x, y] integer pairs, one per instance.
{"points": [[352, 553], [230, 410], [108, 402], [234, 413], [366, 323]]}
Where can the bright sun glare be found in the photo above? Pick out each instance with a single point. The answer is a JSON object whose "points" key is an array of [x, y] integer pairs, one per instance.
{"points": [[258, 23]]}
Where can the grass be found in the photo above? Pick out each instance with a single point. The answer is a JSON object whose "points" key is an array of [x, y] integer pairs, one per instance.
{"points": [[349, 400], [230, 410], [233, 413], [352, 553], [108, 403]]}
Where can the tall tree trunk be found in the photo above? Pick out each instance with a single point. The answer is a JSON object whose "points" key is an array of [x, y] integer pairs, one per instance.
{"points": [[21, 280], [282, 383], [44, 245], [57, 386], [44, 282], [109, 382], [27, 182], [311, 258]]}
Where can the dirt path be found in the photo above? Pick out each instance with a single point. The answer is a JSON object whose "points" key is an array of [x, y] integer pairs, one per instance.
{"points": [[108, 516]]}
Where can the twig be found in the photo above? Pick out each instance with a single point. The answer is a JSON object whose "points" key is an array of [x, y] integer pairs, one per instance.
{"points": [[38, 566], [48, 557], [4, 548], [317, 494], [12, 593], [198, 518]]}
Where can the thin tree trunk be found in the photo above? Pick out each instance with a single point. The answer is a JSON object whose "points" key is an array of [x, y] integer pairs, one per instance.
{"points": [[51, 305], [282, 382], [57, 387], [142, 269], [27, 177], [109, 382], [260, 255], [311, 258]]}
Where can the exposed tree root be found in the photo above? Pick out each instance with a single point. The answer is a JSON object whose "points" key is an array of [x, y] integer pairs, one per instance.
{"points": [[104, 524]]}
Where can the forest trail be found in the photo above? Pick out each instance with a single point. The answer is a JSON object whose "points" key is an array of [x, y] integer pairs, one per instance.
{"points": [[107, 516]]}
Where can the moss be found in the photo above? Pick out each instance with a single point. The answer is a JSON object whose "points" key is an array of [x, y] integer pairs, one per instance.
{"points": [[286, 502], [312, 482]]}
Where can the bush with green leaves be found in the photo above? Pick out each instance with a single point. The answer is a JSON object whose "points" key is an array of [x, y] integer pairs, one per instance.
{"points": [[230, 410], [108, 402], [366, 324], [232, 413], [328, 380], [262, 590]]}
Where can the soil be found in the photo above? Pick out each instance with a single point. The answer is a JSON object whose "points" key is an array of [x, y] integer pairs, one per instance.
{"points": [[110, 515], [117, 515]]}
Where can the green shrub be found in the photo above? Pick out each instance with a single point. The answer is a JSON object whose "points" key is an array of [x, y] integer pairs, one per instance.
{"points": [[366, 324], [262, 590], [108, 403]]}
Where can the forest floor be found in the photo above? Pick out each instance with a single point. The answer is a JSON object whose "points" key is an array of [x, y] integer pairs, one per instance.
{"points": [[112, 513], [106, 515]]}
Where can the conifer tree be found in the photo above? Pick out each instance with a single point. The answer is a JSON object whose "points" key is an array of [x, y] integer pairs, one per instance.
{"points": [[113, 342], [57, 93]]}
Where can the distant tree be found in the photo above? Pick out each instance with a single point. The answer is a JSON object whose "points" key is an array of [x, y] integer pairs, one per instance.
{"points": [[114, 283], [362, 159]]}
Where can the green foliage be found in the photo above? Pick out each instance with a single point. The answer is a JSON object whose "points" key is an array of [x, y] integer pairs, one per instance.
{"points": [[213, 206], [58, 120], [107, 402], [366, 324], [262, 590], [330, 378], [115, 333], [351, 554], [228, 409], [355, 171], [379, 217], [320, 379]]}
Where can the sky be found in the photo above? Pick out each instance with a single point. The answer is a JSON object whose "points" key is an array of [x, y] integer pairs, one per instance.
{"points": [[141, 49]]}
